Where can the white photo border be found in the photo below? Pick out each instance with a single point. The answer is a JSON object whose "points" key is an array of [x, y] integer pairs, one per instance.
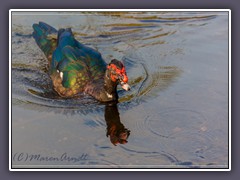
{"points": [[120, 169]]}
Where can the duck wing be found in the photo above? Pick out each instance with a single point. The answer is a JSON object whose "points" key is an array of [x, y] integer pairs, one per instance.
{"points": [[46, 38], [72, 65]]}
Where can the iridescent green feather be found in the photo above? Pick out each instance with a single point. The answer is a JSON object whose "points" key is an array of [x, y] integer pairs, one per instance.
{"points": [[78, 63], [41, 35]]}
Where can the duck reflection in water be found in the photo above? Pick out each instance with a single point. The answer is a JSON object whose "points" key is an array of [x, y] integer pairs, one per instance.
{"points": [[115, 129]]}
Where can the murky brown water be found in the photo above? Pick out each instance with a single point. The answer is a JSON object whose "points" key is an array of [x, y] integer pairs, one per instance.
{"points": [[177, 110]]}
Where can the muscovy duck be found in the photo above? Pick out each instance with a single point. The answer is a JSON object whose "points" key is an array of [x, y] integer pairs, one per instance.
{"points": [[75, 68]]}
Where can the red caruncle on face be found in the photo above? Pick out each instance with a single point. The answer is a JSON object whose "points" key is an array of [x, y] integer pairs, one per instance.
{"points": [[117, 73]]}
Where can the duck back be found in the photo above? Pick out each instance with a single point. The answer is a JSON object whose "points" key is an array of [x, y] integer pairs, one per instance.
{"points": [[72, 65]]}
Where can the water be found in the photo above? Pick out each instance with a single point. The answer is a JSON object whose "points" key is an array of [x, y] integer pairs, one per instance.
{"points": [[176, 112]]}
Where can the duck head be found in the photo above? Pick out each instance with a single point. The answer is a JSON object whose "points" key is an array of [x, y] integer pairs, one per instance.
{"points": [[117, 73]]}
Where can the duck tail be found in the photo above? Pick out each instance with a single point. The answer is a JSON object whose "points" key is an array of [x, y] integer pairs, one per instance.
{"points": [[45, 37]]}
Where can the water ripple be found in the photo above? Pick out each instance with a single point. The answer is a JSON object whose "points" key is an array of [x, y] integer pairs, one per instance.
{"points": [[175, 121]]}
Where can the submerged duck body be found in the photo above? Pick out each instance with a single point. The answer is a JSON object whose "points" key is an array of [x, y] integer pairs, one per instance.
{"points": [[75, 68]]}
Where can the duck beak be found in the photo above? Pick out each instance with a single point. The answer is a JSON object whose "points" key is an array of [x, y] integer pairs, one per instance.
{"points": [[125, 86], [123, 81]]}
